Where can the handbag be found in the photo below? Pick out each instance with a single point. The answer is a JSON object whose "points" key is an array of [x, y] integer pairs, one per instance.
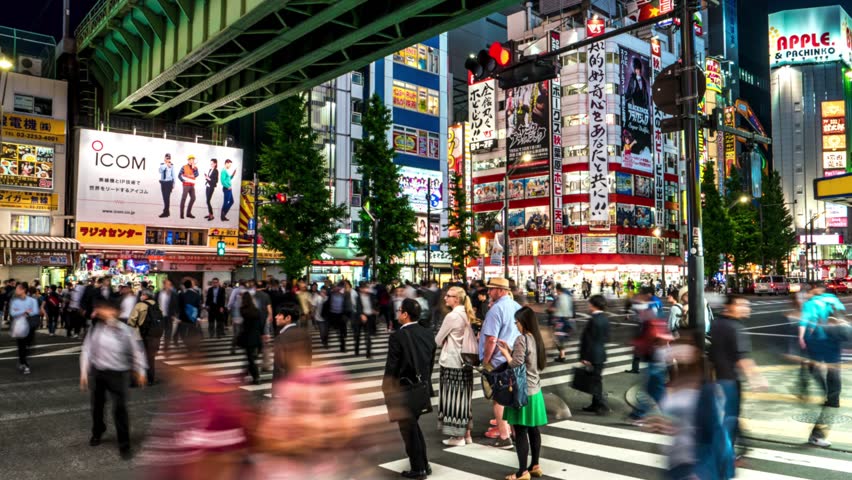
{"points": [[509, 385], [20, 328], [584, 380], [470, 348], [411, 399]]}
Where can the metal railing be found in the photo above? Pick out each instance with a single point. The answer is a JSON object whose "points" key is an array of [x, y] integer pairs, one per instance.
{"points": [[97, 18]]}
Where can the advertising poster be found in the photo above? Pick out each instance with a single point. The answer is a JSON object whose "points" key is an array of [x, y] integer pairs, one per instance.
{"points": [[482, 105], [151, 181], [455, 168], [623, 183], [607, 244], [572, 244], [517, 187], [643, 187], [537, 218], [537, 187], [488, 192], [659, 160], [575, 214], [405, 142], [833, 160], [528, 124], [644, 217], [415, 184], [27, 166], [811, 35], [625, 215], [558, 244], [516, 219], [713, 74], [643, 245], [598, 159], [556, 143], [626, 243], [836, 215], [420, 228], [635, 111]]}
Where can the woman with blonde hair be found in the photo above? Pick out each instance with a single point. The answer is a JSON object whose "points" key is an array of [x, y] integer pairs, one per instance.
{"points": [[456, 387]]}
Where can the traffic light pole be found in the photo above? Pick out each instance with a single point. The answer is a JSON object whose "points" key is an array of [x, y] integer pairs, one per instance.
{"points": [[254, 237], [689, 109]]}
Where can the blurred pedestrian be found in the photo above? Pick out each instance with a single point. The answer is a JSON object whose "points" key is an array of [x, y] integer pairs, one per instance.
{"points": [[110, 353], [215, 303], [455, 418], [410, 346], [52, 307], [234, 303], [292, 346], [528, 350], [190, 310], [147, 319], [593, 351], [250, 338], [364, 318], [24, 311], [562, 313], [318, 300], [822, 332], [128, 301], [499, 325]]}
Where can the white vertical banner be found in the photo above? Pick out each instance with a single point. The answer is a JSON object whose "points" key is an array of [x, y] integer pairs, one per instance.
{"points": [[556, 144], [659, 162], [598, 160], [482, 105]]}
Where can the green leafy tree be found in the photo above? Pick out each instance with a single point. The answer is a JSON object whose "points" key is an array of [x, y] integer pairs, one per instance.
{"points": [[291, 163], [779, 237], [715, 222], [463, 246], [745, 239], [384, 195]]}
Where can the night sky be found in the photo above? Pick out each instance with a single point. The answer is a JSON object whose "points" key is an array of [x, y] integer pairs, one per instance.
{"points": [[45, 16]]}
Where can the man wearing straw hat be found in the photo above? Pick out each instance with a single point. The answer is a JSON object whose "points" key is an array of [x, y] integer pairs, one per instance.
{"points": [[499, 324]]}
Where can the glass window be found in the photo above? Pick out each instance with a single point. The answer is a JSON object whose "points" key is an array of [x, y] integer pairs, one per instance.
{"points": [[575, 182], [434, 103], [489, 164], [358, 78], [416, 142], [413, 97], [613, 150], [575, 214], [672, 191], [576, 120], [611, 89], [613, 119], [30, 225], [419, 56], [576, 151]]}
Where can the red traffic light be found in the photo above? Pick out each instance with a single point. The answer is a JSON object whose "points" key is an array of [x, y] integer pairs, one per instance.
{"points": [[500, 54], [281, 197]]}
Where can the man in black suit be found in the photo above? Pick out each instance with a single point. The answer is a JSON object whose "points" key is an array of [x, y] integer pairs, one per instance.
{"points": [[411, 344], [292, 345], [215, 303], [593, 351]]}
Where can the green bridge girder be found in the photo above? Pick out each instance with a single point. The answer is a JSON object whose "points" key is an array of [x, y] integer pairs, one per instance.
{"points": [[212, 61]]}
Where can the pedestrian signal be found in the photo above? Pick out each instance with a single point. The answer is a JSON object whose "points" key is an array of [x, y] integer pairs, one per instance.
{"points": [[220, 248]]}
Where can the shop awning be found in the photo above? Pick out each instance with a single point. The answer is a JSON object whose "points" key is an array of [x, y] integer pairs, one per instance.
{"points": [[37, 242]]}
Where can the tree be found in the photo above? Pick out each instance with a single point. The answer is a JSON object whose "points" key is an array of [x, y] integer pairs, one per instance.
{"points": [[745, 239], [715, 223], [291, 163], [779, 237], [384, 193], [462, 246]]}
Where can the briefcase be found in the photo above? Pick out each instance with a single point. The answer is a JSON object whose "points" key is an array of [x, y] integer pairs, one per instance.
{"points": [[584, 380]]}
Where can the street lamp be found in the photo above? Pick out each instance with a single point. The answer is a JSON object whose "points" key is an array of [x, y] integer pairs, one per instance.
{"points": [[659, 234], [509, 172], [743, 199], [535, 268], [810, 255]]}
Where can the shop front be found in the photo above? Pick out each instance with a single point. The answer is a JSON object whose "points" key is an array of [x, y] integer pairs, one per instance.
{"points": [[46, 259], [268, 264]]}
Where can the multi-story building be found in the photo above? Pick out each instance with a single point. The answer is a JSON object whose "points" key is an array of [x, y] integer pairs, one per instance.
{"points": [[593, 185], [810, 57]]}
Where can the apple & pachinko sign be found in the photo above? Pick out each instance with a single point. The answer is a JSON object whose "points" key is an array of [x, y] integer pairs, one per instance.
{"points": [[810, 35]]}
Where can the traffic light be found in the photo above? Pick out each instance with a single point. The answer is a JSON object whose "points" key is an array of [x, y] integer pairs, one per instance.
{"points": [[220, 248], [489, 63], [281, 197]]}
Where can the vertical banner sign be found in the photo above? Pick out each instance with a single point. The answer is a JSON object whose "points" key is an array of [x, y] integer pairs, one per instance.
{"points": [[598, 166], [635, 111], [482, 105], [659, 163], [528, 126], [556, 145], [455, 168]]}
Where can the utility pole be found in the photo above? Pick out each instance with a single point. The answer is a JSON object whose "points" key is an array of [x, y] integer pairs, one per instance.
{"points": [[254, 237], [375, 220], [689, 109], [428, 229], [506, 222]]}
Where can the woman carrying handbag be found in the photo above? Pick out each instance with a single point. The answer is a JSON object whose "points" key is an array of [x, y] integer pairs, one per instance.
{"points": [[456, 386], [528, 350]]}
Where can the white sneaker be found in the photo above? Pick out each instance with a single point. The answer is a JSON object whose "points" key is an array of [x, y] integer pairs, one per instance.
{"points": [[819, 442], [26, 371], [454, 441]]}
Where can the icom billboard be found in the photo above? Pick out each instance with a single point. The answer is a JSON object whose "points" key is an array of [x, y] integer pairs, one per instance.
{"points": [[809, 35], [131, 179]]}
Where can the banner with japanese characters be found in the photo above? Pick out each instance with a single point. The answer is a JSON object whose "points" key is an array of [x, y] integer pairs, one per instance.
{"points": [[556, 143], [40, 201], [528, 126], [153, 181], [482, 107], [27, 127], [659, 161], [635, 111], [100, 233], [598, 166]]}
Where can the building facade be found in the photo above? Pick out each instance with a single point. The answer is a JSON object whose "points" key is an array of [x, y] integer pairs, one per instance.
{"points": [[593, 186], [810, 111]]}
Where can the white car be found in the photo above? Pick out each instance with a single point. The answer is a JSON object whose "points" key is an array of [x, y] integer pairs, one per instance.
{"points": [[771, 284]]}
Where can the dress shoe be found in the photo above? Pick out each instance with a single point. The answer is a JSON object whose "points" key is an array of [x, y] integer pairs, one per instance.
{"points": [[125, 453], [418, 475], [428, 469], [189, 215], [94, 441], [631, 371], [164, 215]]}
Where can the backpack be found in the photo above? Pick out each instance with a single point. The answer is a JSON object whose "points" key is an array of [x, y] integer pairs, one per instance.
{"points": [[153, 326], [336, 303]]}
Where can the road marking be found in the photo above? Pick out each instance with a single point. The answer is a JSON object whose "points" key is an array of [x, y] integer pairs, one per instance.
{"points": [[439, 472], [773, 325]]}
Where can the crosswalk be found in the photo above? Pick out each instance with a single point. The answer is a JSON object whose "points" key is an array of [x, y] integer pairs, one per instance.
{"points": [[571, 449]]}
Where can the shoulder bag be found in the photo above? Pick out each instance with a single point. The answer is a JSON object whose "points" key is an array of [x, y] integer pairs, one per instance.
{"points": [[509, 384], [470, 348], [410, 399]]}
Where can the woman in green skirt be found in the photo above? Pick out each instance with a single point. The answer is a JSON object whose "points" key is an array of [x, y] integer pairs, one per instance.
{"points": [[528, 350]]}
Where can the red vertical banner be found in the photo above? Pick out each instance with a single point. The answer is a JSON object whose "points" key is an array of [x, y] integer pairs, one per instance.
{"points": [[455, 168], [556, 143], [657, 134]]}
